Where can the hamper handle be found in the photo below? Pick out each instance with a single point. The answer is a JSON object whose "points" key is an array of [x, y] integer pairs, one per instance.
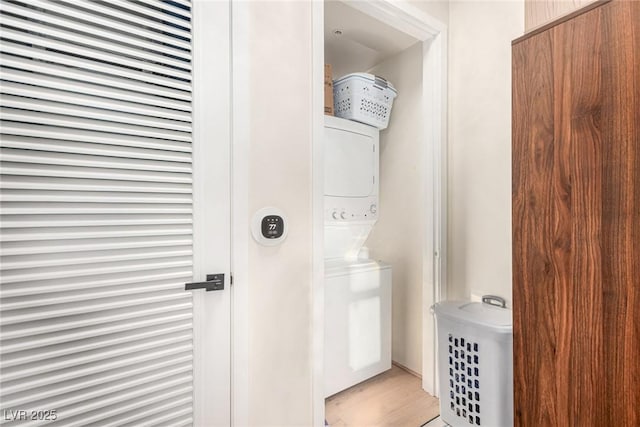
{"points": [[380, 81], [494, 300]]}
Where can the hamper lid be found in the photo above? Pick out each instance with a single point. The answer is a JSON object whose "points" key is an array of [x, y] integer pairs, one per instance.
{"points": [[488, 315], [381, 82]]}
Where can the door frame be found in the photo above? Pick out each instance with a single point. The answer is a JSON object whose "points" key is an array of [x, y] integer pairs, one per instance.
{"points": [[211, 98], [240, 139], [433, 35], [236, 78]]}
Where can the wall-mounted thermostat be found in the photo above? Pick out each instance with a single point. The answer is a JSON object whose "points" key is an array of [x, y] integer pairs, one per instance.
{"points": [[269, 226]]}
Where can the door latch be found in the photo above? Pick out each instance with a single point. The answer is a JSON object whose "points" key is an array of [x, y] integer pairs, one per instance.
{"points": [[214, 282]]}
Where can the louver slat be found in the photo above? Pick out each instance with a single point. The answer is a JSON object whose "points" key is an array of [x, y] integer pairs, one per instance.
{"points": [[161, 147], [185, 3], [95, 343], [96, 211], [93, 52], [75, 109], [77, 43], [97, 66], [156, 12], [73, 121], [106, 383], [76, 77], [85, 333], [176, 32], [168, 8], [112, 22], [38, 92], [163, 412], [41, 15], [112, 148]]}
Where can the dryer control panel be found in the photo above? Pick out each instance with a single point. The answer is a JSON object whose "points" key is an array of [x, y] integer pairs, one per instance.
{"points": [[343, 209]]}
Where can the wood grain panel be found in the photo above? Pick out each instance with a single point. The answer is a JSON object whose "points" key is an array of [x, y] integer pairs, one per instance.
{"points": [[576, 221], [621, 204], [563, 90], [540, 12], [581, 42], [533, 198]]}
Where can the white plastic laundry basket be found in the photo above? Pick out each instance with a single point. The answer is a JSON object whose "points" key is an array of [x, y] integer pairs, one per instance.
{"points": [[475, 366], [364, 98]]}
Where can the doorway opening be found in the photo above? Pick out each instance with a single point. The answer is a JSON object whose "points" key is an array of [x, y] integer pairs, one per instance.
{"points": [[405, 46]]}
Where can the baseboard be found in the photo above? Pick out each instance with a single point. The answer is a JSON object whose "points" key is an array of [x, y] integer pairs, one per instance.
{"points": [[404, 368], [436, 422]]}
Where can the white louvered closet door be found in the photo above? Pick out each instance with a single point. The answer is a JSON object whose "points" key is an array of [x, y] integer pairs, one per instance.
{"points": [[100, 176]]}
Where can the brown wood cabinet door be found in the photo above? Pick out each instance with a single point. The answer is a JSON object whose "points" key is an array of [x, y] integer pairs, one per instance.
{"points": [[576, 221]]}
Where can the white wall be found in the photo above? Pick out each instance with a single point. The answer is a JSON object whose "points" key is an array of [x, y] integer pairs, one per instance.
{"points": [[479, 252], [398, 236], [280, 122], [280, 175], [435, 8], [479, 169]]}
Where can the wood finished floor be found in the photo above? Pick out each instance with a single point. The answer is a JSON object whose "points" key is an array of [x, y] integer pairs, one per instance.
{"points": [[392, 399]]}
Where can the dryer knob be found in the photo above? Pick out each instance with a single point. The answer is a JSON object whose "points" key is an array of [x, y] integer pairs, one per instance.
{"points": [[343, 215], [334, 215], [373, 209]]}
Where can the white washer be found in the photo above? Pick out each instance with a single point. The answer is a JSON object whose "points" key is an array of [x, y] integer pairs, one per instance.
{"points": [[357, 322]]}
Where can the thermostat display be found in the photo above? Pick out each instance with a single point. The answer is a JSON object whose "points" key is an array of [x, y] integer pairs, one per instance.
{"points": [[272, 226], [269, 226]]}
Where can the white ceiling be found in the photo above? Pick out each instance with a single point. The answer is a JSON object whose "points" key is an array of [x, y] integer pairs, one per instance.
{"points": [[364, 42]]}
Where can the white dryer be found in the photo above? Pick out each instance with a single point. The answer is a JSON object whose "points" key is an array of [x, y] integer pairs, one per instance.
{"points": [[357, 341]]}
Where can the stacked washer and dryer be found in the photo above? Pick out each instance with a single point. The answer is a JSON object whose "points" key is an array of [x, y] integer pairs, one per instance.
{"points": [[357, 288]]}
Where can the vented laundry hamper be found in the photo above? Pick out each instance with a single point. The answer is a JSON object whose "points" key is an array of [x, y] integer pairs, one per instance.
{"points": [[475, 365], [364, 98]]}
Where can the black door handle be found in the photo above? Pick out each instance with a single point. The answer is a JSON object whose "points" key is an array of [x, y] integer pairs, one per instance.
{"points": [[215, 282]]}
